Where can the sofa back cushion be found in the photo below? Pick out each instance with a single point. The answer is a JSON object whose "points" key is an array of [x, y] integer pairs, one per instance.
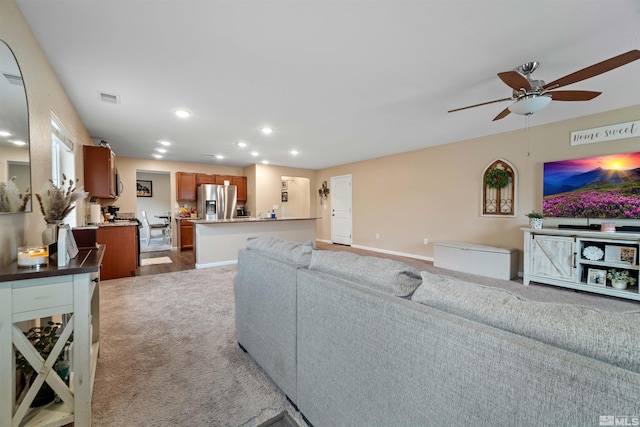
{"points": [[284, 250], [391, 277], [607, 336]]}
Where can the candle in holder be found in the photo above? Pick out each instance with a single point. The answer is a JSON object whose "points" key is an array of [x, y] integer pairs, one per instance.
{"points": [[33, 256]]}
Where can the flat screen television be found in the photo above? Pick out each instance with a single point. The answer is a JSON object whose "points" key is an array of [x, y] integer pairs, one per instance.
{"points": [[593, 187]]}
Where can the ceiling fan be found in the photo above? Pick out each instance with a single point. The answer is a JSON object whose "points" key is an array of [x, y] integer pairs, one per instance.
{"points": [[532, 96]]}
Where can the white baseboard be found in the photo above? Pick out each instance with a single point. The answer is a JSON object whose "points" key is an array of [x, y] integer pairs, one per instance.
{"points": [[403, 254], [217, 264]]}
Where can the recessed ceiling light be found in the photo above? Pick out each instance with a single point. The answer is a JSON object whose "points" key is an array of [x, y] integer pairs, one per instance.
{"points": [[294, 152], [265, 162], [267, 130], [255, 153], [241, 144], [161, 150], [219, 156], [157, 156], [183, 113], [5, 133], [18, 142], [165, 143]]}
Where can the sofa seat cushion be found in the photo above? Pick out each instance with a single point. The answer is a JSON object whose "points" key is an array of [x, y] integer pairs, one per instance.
{"points": [[385, 275], [607, 336], [284, 250]]}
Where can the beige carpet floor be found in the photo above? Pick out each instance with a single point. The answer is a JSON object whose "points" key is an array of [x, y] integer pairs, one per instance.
{"points": [[169, 357]]}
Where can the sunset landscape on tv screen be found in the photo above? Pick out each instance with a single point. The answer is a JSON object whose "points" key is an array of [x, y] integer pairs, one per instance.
{"points": [[594, 187]]}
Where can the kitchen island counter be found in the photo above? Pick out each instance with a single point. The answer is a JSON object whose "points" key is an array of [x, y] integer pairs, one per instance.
{"points": [[217, 242]]}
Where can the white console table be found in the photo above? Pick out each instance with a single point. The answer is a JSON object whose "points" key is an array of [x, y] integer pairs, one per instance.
{"points": [[27, 294], [556, 256]]}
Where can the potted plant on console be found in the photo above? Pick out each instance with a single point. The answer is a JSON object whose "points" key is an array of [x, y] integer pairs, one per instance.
{"points": [[43, 339], [535, 220], [620, 278]]}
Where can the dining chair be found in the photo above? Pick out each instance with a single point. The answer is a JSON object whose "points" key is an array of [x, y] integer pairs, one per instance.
{"points": [[165, 229]]}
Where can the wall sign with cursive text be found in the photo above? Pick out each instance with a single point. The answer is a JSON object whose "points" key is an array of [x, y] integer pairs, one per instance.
{"points": [[606, 133]]}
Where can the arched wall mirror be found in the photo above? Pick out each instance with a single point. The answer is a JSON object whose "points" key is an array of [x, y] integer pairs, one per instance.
{"points": [[15, 161]]}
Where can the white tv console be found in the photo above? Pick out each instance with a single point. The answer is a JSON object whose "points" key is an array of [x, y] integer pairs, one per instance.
{"points": [[557, 257]]}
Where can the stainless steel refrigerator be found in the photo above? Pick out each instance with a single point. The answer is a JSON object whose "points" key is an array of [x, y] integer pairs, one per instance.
{"points": [[217, 201]]}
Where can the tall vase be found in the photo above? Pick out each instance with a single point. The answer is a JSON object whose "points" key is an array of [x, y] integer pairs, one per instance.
{"points": [[50, 234]]}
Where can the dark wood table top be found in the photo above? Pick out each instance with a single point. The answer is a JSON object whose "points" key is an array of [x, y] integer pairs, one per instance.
{"points": [[88, 260]]}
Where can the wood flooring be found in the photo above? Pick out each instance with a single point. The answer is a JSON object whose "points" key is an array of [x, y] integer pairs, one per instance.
{"points": [[185, 260]]}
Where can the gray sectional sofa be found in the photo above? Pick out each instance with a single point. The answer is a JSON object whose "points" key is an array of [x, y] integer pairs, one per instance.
{"points": [[365, 341]]}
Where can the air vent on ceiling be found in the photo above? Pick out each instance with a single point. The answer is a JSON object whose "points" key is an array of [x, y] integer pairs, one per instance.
{"points": [[106, 97], [13, 79]]}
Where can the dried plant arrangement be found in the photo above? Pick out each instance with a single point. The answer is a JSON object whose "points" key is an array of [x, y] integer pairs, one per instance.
{"points": [[11, 200], [56, 203]]}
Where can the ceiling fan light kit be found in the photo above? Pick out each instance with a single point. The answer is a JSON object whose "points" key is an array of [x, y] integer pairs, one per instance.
{"points": [[529, 104], [532, 96]]}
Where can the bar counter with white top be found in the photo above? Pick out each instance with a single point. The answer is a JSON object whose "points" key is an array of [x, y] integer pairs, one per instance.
{"points": [[217, 242]]}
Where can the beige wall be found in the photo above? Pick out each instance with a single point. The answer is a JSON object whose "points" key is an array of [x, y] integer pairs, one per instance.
{"points": [[435, 193], [44, 96], [267, 180], [432, 193]]}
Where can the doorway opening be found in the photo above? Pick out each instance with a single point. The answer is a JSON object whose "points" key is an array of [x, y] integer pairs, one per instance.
{"points": [[153, 201]]}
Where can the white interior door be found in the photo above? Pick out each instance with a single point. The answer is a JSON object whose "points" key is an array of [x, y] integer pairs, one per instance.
{"points": [[341, 209]]}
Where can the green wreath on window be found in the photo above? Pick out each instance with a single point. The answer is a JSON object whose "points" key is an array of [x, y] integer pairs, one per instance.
{"points": [[497, 178]]}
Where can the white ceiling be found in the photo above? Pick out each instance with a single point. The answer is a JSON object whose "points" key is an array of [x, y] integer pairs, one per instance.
{"points": [[340, 81]]}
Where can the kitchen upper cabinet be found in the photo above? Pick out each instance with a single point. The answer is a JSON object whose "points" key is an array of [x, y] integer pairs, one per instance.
{"points": [[100, 172], [241, 183], [187, 182], [186, 186], [220, 179], [203, 178]]}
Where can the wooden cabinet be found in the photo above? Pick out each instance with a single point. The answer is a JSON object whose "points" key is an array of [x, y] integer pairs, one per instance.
{"points": [[220, 179], [581, 259], [185, 235], [186, 186], [241, 183], [121, 252], [187, 182], [203, 178], [99, 172]]}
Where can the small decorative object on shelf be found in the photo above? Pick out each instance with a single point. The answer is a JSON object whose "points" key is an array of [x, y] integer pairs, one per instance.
{"points": [[43, 339], [593, 253], [33, 256], [55, 204], [620, 278], [535, 220]]}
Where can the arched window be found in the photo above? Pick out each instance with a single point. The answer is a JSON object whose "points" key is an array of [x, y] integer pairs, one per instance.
{"points": [[499, 189]]}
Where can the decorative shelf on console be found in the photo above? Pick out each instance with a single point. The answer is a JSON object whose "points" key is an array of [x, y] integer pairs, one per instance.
{"points": [[580, 259]]}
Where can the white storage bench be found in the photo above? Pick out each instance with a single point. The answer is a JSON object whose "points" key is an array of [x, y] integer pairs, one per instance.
{"points": [[483, 260]]}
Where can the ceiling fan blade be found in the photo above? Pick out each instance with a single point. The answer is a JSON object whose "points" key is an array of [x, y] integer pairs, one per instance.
{"points": [[596, 69], [572, 95], [515, 80], [478, 105], [502, 114]]}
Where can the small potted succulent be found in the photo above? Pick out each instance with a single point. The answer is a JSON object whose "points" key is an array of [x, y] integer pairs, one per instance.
{"points": [[535, 219], [620, 278]]}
